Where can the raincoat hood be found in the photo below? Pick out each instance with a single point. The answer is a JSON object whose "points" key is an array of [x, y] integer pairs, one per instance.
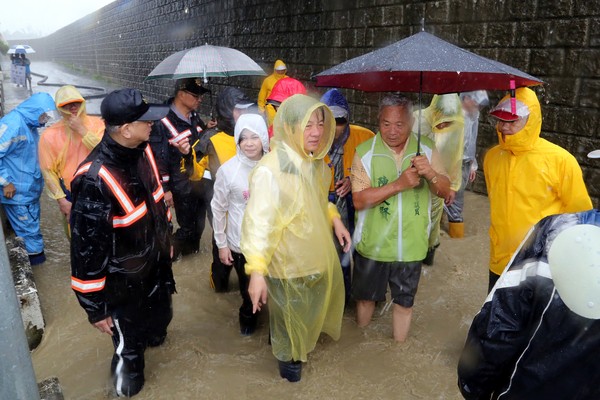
{"points": [[226, 102], [449, 140], [279, 66], [285, 88], [66, 95], [335, 98], [525, 139], [291, 119], [32, 108], [256, 124]]}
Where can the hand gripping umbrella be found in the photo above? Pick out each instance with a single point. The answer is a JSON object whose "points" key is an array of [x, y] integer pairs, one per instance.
{"points": [[424, 63]]}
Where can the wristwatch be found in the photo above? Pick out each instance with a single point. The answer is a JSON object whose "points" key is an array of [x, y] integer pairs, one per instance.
{"points": [[434, 180]]}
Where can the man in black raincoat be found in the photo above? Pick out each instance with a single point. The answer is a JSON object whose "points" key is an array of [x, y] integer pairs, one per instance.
{"points": [[120, 249], [182, 123], [538, 334]]}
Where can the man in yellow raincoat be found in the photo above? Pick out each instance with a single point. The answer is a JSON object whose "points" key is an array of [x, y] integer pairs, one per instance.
{"points": [[527, 178], [286, 235], [279, 70], [64, 145], [443, 123]]}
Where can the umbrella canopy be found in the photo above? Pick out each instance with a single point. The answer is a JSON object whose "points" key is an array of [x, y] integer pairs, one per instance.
{"points": [[204, 62], [20, 49], [423, 62]]}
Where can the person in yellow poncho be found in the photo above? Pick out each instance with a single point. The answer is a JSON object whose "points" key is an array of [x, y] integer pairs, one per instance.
{"points": [[527, 178], [64, 145], [287, 235], [279, 70], [443, 123]]}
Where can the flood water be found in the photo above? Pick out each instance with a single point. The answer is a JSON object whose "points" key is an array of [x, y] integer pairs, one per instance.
{"points": [[205, 357]]}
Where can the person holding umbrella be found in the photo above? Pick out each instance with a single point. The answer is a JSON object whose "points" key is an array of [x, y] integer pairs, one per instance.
{"points": [[527, 178], [182, 123], [393, 179]]}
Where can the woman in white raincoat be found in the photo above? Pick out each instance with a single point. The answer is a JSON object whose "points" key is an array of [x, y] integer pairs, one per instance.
{"points": [[229, 202], [286, 234], [443, 122]]}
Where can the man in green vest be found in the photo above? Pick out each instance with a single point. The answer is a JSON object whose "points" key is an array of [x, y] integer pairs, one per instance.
{"points": [[392, 181]]}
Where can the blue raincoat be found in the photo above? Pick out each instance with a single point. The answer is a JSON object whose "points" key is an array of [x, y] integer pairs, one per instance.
{"points": [[19, 165], [18, 149]]}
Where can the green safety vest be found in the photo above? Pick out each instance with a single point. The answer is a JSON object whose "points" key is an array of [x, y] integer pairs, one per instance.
{"points": [[398, 228]]}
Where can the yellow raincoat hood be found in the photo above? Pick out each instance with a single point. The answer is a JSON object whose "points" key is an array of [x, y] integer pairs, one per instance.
{"points": [[525, 139], [292, 117], [528, 178], [278, 65], [69, 94], [449, 140], [287, 233]]}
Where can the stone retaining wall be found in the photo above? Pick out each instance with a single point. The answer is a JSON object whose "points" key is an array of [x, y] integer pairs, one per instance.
{"points": [[556, 40]]}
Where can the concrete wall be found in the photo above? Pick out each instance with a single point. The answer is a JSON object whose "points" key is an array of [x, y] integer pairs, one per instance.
{"points": [[556, 40]]}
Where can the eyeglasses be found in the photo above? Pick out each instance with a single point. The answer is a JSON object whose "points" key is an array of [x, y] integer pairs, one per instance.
{"points": [[196, 96]]}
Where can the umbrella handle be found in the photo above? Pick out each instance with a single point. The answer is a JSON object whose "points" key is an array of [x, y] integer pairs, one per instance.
{"points": [[513, 99]]}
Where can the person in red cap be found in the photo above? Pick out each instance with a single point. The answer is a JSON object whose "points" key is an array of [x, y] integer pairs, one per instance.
{"points": [[537, 335], [527, 178], [120, 249]]}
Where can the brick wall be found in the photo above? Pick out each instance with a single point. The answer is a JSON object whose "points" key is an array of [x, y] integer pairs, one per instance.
{"points": [[556, 40]]}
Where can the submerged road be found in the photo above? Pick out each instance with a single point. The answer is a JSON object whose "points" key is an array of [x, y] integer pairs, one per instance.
{"points": [[205, 357]]}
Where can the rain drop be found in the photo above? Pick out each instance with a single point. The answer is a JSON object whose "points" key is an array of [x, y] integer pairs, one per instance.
{"points": [[578, 239], [590, 304]]}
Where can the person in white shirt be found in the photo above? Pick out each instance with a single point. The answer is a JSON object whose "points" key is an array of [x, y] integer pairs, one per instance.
{"points": [[229, 200]]}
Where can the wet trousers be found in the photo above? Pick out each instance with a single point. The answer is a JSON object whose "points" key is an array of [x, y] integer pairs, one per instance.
{"points": [[247, 318], [25, 221], [455, 209], [140, 323], [187, 238]]}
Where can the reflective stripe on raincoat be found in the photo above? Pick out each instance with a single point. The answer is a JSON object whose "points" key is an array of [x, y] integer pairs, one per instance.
{"points": [[528, 178]]}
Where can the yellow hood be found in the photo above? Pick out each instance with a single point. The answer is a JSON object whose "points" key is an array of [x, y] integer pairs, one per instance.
{"points": [[279, 64], [291, 119], [69, 94], [525, 139]]}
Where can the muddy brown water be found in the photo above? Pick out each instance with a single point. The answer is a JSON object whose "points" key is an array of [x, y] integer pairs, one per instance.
{"points": [[205, 357]]}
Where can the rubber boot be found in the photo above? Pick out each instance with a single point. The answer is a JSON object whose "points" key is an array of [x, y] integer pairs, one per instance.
{"points": [[290, 370], [456, 230]]}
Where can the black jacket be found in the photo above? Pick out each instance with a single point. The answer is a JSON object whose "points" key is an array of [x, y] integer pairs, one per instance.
{"points": [[120, 247], [525, 343], [168, 157]]}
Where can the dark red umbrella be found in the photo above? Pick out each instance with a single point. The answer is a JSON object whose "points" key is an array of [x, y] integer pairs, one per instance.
{"points": [[423, 63]]}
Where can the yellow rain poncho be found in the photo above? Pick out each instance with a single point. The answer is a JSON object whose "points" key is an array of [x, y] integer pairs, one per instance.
{"points": [[443, 122], [287, 234], [528, 178], [268, 83], [61, 150]]}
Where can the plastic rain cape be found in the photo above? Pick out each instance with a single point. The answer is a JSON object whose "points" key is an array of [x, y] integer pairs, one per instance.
{"points": [[287, 234], [449, 142]]}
